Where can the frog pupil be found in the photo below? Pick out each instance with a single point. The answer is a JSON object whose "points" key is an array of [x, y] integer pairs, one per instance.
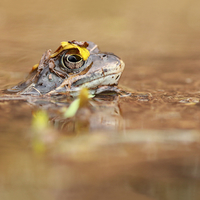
{"points": [[73, 58]]}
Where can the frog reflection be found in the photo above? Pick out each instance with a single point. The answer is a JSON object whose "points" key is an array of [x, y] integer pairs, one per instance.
{"points": [[100, 113], [72, 66]]}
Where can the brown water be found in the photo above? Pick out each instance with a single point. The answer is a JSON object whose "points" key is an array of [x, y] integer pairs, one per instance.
{"points": [[142, 147]]}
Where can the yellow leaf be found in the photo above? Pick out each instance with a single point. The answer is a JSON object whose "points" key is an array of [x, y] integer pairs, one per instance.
{"points": [[40, 125], [84, 53], [40, 121], [38, 146], [35, 67], [84, 97]]}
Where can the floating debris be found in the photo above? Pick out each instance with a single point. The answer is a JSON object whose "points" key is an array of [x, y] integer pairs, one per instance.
{"points": [[42, 132], [81, 102]]}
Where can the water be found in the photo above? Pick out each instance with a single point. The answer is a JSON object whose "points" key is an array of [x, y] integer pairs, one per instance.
{"points": [[145, 146]]}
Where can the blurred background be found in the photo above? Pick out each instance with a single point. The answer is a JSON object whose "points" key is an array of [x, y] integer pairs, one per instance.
{"points": [[132, 29], [152, 151], [145, 35]]}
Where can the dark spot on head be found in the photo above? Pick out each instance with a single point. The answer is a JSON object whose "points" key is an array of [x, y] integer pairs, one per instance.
{"points": [[104, 55], [117, 77], [112, 76], [105, 70]]}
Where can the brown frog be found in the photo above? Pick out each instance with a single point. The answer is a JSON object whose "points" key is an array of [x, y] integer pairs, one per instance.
{"points": [[72, 66]]}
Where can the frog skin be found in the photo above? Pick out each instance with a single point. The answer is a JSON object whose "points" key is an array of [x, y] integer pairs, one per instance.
{"points": [[72, 66]]}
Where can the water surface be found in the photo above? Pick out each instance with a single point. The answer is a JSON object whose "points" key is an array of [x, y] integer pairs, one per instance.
{"points": [[145, 146]]}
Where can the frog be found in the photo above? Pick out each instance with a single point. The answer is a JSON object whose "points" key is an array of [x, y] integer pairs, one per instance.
{"points": [[74, 65]]}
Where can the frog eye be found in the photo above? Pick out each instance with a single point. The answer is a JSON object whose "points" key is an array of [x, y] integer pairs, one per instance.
{"points": [[72, 61]]}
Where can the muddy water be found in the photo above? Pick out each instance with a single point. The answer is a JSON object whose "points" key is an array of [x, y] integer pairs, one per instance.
{"points": [[145, 146]]}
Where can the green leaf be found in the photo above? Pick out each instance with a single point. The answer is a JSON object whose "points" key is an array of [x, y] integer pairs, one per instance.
{"points": [[71, 111], [82, 101]]}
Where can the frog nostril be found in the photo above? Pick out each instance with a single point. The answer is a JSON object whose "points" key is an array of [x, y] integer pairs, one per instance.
{"points": [[117, 77], [104, 57]]}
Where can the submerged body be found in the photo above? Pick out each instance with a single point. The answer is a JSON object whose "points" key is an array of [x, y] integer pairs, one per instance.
{"points": [[72, 66]]}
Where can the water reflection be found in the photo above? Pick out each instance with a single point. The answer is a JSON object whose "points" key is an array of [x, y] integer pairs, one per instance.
{"points": [[102, 113], [91, 153]]}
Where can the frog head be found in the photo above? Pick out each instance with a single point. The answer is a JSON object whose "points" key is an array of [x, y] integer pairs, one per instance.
{"points": [[72, 66]]}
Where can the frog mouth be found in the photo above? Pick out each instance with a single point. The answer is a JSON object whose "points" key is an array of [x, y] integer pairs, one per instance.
{"points": [[102, 78]]}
